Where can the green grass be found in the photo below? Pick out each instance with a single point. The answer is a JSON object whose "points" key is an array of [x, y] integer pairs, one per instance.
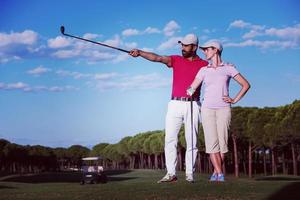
{"points": [[141, 184]]}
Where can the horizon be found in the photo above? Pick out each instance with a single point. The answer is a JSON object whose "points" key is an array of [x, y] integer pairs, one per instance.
{"points": [[57, 91]]}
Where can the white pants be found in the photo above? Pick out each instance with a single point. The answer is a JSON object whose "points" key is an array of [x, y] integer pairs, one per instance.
{"points": [[179, 112]]}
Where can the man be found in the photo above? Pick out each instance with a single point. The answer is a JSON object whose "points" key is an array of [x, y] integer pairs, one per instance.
{"points": [[185, 68]]}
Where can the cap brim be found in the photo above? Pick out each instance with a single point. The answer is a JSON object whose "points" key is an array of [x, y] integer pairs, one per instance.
{"points": [[180, 42], [204, 47]]}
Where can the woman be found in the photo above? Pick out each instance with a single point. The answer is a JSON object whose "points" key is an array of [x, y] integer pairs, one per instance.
{"points": [[216, 105]]}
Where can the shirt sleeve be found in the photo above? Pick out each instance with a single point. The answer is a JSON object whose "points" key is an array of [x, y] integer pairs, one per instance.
{"points": [[201, 73], [232, 71], [173, 60]]}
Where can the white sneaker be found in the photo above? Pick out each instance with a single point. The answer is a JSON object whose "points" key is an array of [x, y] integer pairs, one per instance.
{"points": [[168, 178], [189, 178]]}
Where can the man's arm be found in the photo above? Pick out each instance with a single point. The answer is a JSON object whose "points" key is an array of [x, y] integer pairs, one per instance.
{"points": [[151, 56]]}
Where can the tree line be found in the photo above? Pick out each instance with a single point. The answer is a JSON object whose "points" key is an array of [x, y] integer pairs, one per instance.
{"points": [[262, 141]]}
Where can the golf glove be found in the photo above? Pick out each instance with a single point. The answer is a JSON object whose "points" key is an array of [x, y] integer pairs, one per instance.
{"points": [[190, 91]]}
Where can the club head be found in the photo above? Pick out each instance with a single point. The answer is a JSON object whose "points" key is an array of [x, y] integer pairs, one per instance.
{"points": [[62, 29]]}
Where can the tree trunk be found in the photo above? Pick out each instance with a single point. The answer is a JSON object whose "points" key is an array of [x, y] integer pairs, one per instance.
{"points": [[199, 163], [250, 160], [244, 155], [273, 161], [223, 165], [256, 162], [132, 162], [141, 166], [14, 169], [295, 170], [283, 163], [210, 166], [162, 156], [235, 153], [149, 162], [156, 161], [265, 163], [206, 163], [180, 160]]}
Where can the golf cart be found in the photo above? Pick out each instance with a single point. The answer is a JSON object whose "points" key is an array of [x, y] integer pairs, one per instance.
{"points": [[92, 171]]}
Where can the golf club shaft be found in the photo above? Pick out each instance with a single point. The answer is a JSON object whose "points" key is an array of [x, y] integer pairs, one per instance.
{"points": [[192, 131], [123, 50]]}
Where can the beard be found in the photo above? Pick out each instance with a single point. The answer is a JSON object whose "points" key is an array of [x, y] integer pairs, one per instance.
{"points": [[187, 54]]}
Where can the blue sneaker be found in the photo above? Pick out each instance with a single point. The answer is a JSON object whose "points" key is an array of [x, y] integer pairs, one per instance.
{"points": [[214, 177], [221, 177]]}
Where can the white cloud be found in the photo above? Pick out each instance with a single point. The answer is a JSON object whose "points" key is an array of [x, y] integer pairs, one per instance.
{"points": [[150, 30], [120, 57], [26, 88], [36, 49], [58, 42], [252, 34], [115, 42], [131, 45], [2, 85], [292, 33], [285, 33], [27, 37], [138, 82], [75, 75], [147, 49], [171, 28], [239, 24], [56, 89], [130, 32], [208, 31], [91, 36], [172, 42], [242, 24], [18, 85], [78, 75], [38, 70], [92, 53], [14, 46], [7, 58], [98, 55], [288, 37], [105, 76], [264, 44], [66, 53]]}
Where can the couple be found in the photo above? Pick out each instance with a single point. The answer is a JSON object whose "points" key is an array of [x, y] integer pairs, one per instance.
{"points": [[189, 71]]}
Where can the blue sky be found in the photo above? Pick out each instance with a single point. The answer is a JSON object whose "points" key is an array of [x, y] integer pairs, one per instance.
{"points": [[57, 91]]}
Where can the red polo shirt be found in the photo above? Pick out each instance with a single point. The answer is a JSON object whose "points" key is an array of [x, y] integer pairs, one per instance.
{"points": [[184, 72]]}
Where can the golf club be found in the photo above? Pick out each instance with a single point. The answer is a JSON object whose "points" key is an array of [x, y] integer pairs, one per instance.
{"points": [[62, 30], [192, 130]]}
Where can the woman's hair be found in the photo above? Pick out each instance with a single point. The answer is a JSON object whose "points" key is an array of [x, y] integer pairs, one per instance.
{"points": [[218, 51]]}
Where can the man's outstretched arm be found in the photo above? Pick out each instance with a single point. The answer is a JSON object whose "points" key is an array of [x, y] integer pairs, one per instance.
{"points": [[151, 56]]}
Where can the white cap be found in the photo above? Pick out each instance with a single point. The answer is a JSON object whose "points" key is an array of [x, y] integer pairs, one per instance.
{"points": [[189, 39], [212, 43]]}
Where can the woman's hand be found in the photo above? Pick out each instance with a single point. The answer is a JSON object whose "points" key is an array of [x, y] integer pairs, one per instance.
{"points": [[227, 99]]}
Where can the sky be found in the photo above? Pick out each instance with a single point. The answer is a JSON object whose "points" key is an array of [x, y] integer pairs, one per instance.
{"points": [[57, 91]]}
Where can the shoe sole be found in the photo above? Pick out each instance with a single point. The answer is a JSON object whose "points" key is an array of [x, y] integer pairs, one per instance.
{"points": [[171, 181]]}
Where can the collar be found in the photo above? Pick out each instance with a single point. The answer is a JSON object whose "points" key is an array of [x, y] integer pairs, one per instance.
{"points": [[222, 64], [196, 57]]}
